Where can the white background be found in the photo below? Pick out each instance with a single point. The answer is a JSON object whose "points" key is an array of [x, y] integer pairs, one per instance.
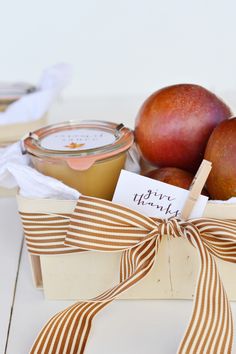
{"points": [[122, 47]]}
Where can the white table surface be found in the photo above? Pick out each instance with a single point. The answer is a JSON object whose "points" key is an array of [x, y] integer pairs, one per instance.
{"points": [[124, 327]]}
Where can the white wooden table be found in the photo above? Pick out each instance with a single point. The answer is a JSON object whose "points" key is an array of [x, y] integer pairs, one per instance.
{"points": [[124, 327]]}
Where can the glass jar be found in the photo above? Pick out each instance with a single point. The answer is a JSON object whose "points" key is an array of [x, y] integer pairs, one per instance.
{"points": [[87, 156], [11, 92]]}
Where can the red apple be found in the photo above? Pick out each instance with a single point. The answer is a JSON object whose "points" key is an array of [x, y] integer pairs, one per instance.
{"points": [[174, 176], [221, 151], [175, 123]]}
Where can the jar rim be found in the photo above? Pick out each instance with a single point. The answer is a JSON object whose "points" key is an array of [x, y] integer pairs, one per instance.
{"points": [[10, 91], [123, 138]]}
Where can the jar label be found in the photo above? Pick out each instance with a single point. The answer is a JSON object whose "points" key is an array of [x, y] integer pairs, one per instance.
{"points": [[77, 139]]}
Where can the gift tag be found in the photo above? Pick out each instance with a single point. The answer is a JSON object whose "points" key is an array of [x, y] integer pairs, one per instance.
{"points": [[154, 198]]}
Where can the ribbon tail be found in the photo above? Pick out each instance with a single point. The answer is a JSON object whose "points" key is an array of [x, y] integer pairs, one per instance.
{"points": [[68, 331], [211, 327]]}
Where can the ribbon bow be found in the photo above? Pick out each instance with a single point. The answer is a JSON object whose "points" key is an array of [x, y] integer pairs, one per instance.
{"points": [[99, 225]]}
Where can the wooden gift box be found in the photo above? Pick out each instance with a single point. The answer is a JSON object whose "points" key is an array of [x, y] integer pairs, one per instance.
{"points": [[87, 274], [10, 133]]}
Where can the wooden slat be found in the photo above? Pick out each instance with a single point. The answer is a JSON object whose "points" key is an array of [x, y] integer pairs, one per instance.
{"points": [[10, 246]]}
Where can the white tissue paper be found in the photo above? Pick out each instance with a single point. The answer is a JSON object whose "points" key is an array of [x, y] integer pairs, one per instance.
{"points": [[16, 172], [34, 105], [229, 201], [132, 161]]}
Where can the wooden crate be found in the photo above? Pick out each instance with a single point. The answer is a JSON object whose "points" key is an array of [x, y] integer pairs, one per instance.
{"points": [[85, 275]]}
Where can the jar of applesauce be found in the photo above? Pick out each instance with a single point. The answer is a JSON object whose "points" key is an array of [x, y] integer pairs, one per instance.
{"points": [[11, 92], [87, 155]]}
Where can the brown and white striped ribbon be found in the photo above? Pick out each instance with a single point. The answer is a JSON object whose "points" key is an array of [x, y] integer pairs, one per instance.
{"points": [[99, 225]]}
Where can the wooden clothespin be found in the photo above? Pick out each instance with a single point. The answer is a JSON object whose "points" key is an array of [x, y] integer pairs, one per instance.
{"points": [[196, 188]]}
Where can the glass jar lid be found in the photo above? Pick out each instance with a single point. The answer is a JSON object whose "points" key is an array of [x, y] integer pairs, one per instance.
{"points": [[13, 91], [79, 143]]}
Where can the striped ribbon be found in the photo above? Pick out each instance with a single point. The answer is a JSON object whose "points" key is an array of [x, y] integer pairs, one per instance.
{"points": [[99, 225]]}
